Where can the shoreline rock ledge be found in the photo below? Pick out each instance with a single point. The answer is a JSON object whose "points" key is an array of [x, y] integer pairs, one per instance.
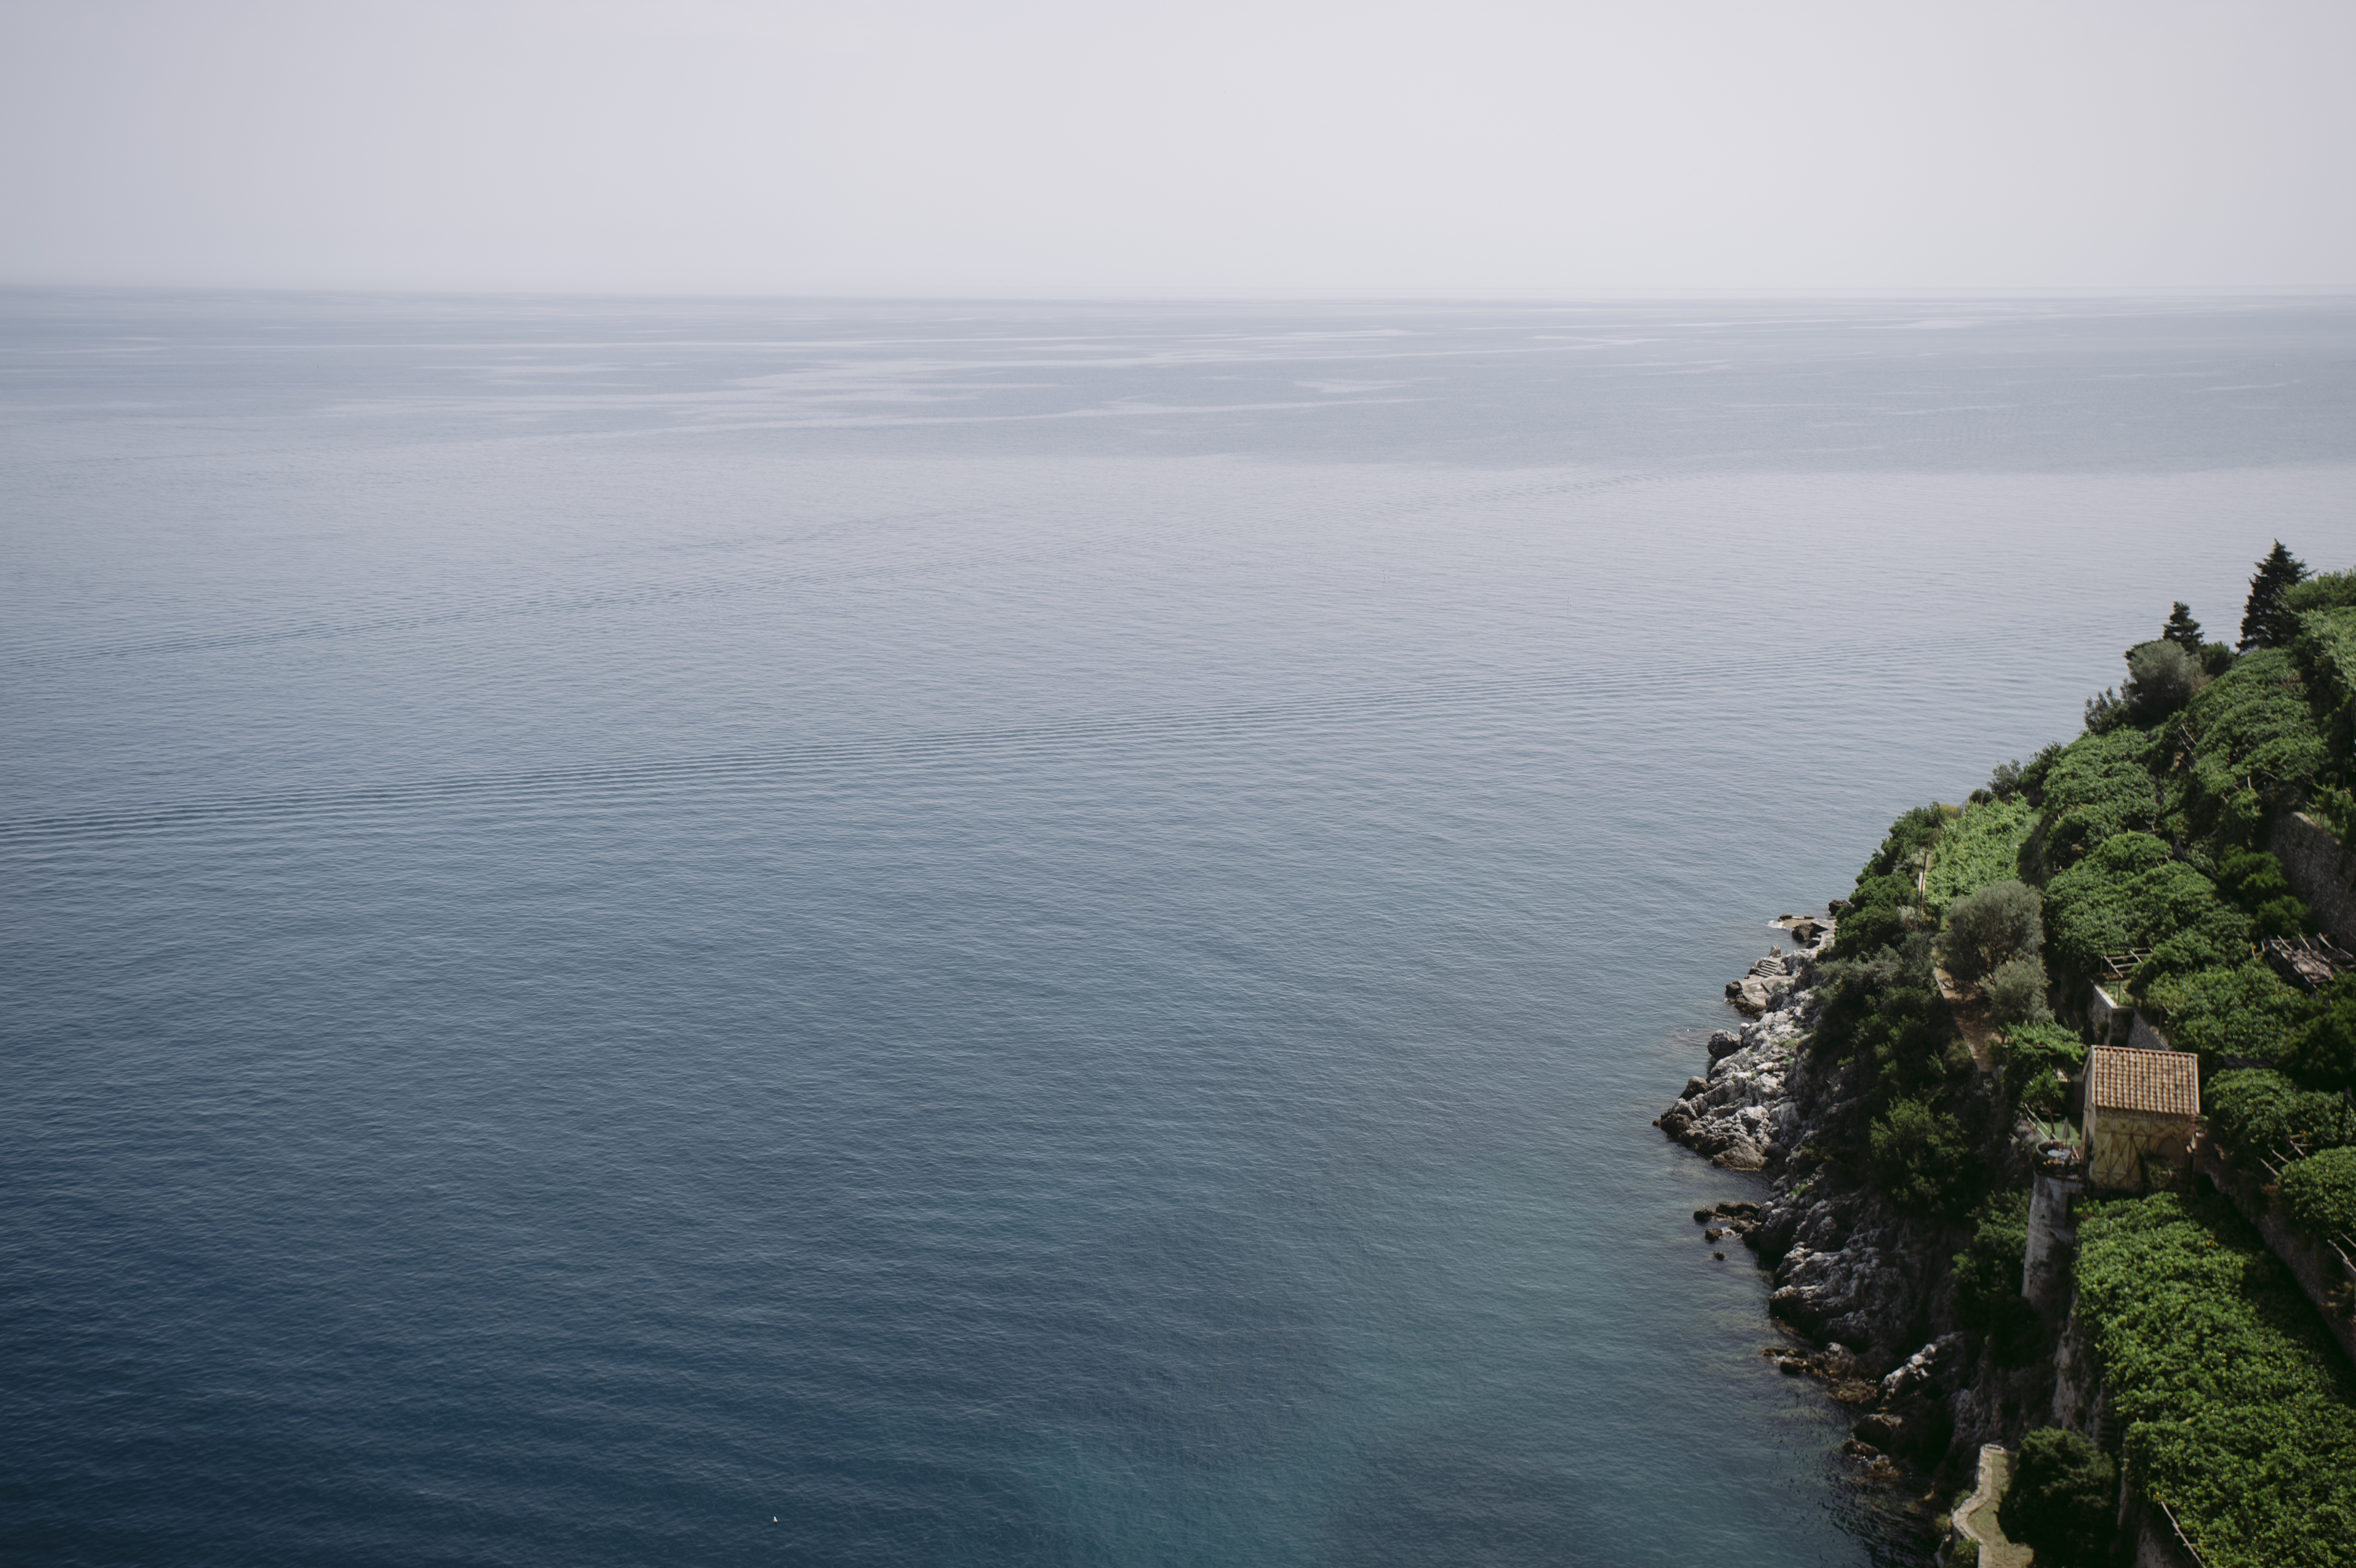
{"points": [[1742, 1113]]}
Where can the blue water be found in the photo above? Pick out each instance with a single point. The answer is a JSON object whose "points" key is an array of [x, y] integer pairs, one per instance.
{"points": [[744, 932]]}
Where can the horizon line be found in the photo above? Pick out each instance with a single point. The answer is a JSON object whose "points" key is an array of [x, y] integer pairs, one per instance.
{"points": [[1237, 296]]}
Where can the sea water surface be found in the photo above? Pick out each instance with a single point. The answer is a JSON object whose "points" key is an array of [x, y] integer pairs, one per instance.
{"points": [[741, 932]]}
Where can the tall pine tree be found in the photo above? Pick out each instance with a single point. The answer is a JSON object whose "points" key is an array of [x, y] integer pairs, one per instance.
{"points": [[2265, 623], [2182, 629]]}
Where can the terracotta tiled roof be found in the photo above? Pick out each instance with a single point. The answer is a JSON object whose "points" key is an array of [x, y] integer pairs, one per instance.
{"points": [[2166, 1083]]}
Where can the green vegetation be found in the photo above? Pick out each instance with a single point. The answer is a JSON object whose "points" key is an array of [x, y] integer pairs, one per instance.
{"points": [[2147, 832], [1880, 912], [2106, 711], [2161, 678], [2335, 808], [2015, 993], [1885, 903], [1881, 1005], [2255, 1112], [1921, 1156], [2246, 1015], [2326, 655], [2237, 1412], [2323, 1056], [2266, 621], [1987, 1278], [2321, 1191], [2024, 779], [2252, 880], [2030, 1055], [1909, 840], [2233, 1017], [2253, 732], [1986, 927], [1981, 846], [2061, 1500], [2129, 892], [2100, 786], [1888, 1008], [2324, 591]]}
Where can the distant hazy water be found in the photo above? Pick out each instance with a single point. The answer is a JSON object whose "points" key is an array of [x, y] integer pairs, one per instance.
{"points": [[959, 934]]}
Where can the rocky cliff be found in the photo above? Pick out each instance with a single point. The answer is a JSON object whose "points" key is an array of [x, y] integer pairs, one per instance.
{"points": [[1866, 1290]]}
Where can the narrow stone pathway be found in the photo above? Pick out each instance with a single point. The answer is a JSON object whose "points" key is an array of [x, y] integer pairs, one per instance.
{"points": [[1971, 1017], [1976, 1519]]}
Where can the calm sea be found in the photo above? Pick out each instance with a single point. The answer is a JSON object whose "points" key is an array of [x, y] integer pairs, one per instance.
{"points": [[744, 932]]}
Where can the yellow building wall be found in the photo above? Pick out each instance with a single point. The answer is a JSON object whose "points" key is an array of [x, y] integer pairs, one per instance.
{"points": [[2117, 1142]]}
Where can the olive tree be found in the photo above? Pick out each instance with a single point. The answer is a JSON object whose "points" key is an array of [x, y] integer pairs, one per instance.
{"points": [[2001, 920], [2161, 678], [2015, 992]]}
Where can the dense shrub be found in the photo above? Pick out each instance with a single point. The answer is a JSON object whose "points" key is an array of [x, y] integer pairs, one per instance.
{"points": [[2253, 730], [2254, 718], [1985, 928], [2107, 711], [2062, 1499], [2127, 893], [2252, 880], [2236, 1410], [2124, 854], [2029, 1054], [1879, 1003], [2220, 941], [1987, 1278], [1988, 1270], [2024, 779], [2099, 786], [1921, 1157], [2238, 1015], [2335, 808], [2324, 1055], [2255, 1111], [2255, 715], [1887, 1009], [1908, 836], [2015, 992], [2321, 1191], [1880, 912], [2324, 591], [1981, 846], [2326, 655], [1886, 904]]}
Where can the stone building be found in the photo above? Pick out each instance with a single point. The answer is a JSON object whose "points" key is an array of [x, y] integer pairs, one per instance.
{"points": [[2140, 1107]]}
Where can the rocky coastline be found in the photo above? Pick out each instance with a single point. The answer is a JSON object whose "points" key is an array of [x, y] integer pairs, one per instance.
{"points": [[1864, 1292]]}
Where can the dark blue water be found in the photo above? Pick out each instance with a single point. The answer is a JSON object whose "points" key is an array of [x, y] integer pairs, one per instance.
{"points": [[961, 934]]}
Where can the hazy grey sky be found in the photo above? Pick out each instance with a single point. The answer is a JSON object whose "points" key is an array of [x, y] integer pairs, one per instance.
{"points": [[1286, 146]]}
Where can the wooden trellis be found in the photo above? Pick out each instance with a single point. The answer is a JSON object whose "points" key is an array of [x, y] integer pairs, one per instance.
{"points": [[2118, 966]]}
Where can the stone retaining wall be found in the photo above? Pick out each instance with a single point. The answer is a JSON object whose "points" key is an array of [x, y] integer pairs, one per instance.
{"points": [[2142, 1036], [2320, 872], [2157, 1545]]}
